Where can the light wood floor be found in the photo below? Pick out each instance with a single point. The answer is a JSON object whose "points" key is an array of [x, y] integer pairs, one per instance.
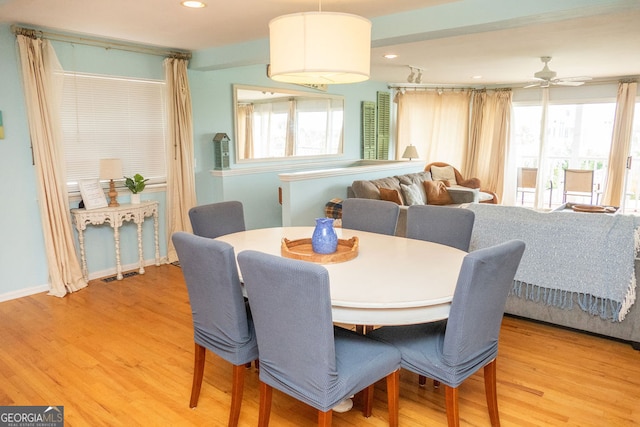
{"points": [[121, 354]]}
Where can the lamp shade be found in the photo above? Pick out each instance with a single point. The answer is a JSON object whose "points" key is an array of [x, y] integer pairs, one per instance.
{"points": [[319, 48], [110, 169], [410, 152]]}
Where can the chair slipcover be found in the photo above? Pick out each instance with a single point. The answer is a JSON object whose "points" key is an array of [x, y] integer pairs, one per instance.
{"points": [[217, 219], [376, 216], [441, 224], [301, 352], [451, 350], [221, 318]]}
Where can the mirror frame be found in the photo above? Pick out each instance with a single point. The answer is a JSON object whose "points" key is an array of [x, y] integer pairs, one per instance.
{"points": [[284, 92]]}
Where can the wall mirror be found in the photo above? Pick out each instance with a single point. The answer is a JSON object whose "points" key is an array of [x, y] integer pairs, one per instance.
{"points": [[277, 123]]}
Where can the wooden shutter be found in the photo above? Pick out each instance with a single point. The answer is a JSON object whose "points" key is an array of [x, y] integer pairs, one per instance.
{"points": [[368, 130], [383, 124]]}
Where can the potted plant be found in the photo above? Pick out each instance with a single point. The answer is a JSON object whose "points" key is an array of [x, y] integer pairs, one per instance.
{"points": [[135, 185]]}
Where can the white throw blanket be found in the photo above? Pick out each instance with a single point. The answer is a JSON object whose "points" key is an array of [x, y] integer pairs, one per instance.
{"points": [[588, 257]]}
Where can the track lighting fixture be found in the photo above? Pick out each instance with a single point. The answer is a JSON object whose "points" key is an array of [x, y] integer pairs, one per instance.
{"points": [[411, 76], [415, 75]]}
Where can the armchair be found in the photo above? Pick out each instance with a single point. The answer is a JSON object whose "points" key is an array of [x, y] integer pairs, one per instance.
{"points": [[486, 196]]}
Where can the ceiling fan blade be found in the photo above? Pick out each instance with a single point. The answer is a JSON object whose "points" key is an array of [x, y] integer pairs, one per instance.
{"points": [[567, 83], [575, 79], [531, 85]]}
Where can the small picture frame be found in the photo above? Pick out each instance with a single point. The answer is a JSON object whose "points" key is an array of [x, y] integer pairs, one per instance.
{"points": [[92, 194]]}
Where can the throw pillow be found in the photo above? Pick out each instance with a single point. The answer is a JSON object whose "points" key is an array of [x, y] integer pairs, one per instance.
{"points": [[391, 195], [437, 193], [412, 194], [443, 173]]}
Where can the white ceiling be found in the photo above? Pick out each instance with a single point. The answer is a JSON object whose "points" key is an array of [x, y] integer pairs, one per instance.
{"points": [[451, 40]]}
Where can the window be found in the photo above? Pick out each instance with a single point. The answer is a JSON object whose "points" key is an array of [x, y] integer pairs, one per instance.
{"points": [[578, 136], [113, 117]]}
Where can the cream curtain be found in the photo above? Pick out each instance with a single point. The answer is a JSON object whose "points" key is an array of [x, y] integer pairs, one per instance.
{"points": [[436, 122], [290, 142], [620, 144], [487, 151], [181, 194], [245, 131], [542, 152], [41, 75]]}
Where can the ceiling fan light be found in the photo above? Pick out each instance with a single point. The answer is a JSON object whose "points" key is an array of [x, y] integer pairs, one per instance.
{"points": [[319, 48]]}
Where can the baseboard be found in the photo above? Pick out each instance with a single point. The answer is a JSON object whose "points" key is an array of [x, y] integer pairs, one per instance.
{"points": [[25, 292], [8, 296], [125, 267]]}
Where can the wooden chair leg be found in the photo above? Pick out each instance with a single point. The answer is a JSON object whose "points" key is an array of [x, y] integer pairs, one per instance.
{"points": [[364, 329], [198, 372], [325, 418], [491, 392], [265, 405], [237, 386], [393, 397], [367, 401], [451, 399], [422, 380]]}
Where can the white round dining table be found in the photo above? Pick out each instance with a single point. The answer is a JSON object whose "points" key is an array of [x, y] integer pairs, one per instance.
{"points": [[392, 281]]}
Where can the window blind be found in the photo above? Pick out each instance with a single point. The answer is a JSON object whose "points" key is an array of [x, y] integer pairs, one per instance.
{"points": [[113, 117]]}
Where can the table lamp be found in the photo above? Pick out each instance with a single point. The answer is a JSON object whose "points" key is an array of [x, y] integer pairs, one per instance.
{"points": [[410, 152], [111, 169]]}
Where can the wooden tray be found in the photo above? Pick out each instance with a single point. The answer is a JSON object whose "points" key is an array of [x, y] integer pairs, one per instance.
{"points": [[301, 249], [593, 208]]}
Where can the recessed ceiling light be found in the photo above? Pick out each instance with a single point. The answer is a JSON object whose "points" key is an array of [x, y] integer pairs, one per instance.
{"points": [[193, 4], [476, 77], [391, 56]]}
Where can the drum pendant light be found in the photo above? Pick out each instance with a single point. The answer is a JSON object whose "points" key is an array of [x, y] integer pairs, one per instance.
{"points": [[319, 48]]}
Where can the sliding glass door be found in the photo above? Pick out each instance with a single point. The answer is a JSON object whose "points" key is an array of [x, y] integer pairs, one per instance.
{"points": [[577, 136]]}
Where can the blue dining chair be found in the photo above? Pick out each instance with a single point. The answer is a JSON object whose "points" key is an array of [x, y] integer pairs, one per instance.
{"points": [[301, 352], [221, 319], [217, 219], [376, 216], [441, 224], [452, 350]]}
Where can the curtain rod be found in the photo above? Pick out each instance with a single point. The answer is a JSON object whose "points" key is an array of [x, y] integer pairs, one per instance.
{"points": [[107, 44], [443, 87]]}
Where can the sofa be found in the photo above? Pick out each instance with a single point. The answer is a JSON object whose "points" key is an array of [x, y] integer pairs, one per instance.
{"points": [[409, 189], [578, 271]]}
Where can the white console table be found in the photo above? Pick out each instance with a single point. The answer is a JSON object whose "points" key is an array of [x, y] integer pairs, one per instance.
{"points": [[116, 217]]}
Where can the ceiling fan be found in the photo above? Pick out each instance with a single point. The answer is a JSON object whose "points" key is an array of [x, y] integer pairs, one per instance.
{"points": [[547, 77]]}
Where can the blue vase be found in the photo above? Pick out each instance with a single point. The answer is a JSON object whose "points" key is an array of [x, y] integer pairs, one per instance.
{"points": [[324, 239]]}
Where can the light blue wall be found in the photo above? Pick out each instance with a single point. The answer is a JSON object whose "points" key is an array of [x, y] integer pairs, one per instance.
{"points": [[22, 258], [22, 261]]}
